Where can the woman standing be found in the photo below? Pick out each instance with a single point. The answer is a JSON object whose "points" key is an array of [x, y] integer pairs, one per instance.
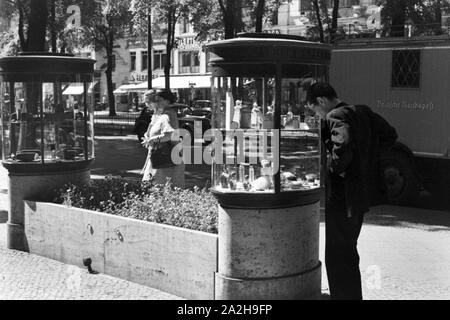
{"points": [[162, 128]]}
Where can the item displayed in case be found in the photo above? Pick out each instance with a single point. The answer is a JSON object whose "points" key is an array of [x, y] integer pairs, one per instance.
{"points": [[271, 140]]}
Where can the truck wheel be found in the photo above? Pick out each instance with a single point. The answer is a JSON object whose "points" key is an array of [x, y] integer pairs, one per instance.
{"points": [[400, 180]]}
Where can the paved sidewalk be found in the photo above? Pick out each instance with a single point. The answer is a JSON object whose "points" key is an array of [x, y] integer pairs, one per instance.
{"points": [[405, 255], [25, 276]]}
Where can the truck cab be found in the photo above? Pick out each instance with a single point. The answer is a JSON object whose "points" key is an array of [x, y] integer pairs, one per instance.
{"points": [[405, 81]]}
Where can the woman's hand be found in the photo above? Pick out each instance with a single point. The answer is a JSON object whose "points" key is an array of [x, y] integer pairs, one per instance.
{"points": [[145, 142], [148, 142]]}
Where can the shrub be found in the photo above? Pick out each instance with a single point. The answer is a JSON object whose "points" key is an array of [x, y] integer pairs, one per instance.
{"points": [[193, 209]]}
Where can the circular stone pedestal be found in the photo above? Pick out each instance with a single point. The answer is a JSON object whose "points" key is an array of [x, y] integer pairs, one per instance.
{"points": [[269, 254], [33, 186]]}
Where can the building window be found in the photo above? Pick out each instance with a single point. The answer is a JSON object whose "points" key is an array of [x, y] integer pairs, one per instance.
{"points": [[144, 60], [159, 59], [132, 61], [405, 69], [113, 62], [305, 5], [184, 25], [208, 58], [342, 3], [189, 62]]}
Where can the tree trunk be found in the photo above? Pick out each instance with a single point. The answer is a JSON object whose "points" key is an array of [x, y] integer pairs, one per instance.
{"points": [[169, 46], [38, 25], [237, 11], [319, 20], [228, 18], [229, 25], [398, 19], [149, 51], [108, 72], [23, 41], [334, 21], [52, 25], [259, 15], [37, 29], [438, 18]]}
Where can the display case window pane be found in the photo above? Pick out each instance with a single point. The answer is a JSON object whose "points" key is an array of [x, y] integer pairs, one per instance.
{"points": [[300, 138], [47, 122], [299, 159], [242, 111], [246, 107]]}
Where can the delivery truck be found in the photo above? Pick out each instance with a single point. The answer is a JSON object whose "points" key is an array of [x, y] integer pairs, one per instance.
{"points": [[407, 81]]}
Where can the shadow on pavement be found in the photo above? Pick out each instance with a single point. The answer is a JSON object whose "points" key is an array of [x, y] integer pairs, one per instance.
{"points": [[124, 156], [324, 296], [408, 217]]}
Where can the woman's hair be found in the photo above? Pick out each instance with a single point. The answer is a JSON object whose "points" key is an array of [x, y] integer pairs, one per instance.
{"points": [[154, 95], [144, 110]]}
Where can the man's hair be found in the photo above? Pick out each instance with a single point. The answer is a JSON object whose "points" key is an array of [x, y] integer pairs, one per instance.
{"points": [[320, 89]]}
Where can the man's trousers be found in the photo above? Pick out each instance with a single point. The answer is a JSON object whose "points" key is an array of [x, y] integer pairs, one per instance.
{"points": [[341, 254]]}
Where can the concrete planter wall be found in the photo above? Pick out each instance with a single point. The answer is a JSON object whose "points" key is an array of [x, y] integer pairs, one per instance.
{"points": [[176, 260]]}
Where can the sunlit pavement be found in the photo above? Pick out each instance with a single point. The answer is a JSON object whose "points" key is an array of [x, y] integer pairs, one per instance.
{"points": [[124, 156], [404, 251], [404, 254]]}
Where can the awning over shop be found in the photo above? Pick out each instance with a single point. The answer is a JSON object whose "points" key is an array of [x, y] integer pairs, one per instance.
{"points": [[77, 89], [132, 87], [73, 90], [184, 82], [92, 85], [176, 82]]}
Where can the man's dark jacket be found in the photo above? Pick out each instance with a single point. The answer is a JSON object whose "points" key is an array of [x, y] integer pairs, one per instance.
{"points": [[354, 136]]}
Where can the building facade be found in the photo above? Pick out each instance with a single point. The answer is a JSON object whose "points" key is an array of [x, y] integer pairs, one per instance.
{"points": [[297, 17], [189, 60], [188, 67]]}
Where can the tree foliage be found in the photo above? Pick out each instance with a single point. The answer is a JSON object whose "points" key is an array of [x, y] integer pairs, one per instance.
{"points": [[226, 18], [106, 22], [326, 28], [425, 15], [166, 13], [207, 20]]}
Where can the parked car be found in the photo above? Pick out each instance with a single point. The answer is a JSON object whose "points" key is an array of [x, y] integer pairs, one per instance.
{"points": [[202, 104], [99, 106], [190, 119]]}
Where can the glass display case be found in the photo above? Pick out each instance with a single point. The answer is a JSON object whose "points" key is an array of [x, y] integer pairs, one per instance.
{"points": [[46, 110], [270, 141]]}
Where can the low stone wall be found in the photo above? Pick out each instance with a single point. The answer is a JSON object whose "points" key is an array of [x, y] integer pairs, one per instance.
{"points": [[179, 261]]}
